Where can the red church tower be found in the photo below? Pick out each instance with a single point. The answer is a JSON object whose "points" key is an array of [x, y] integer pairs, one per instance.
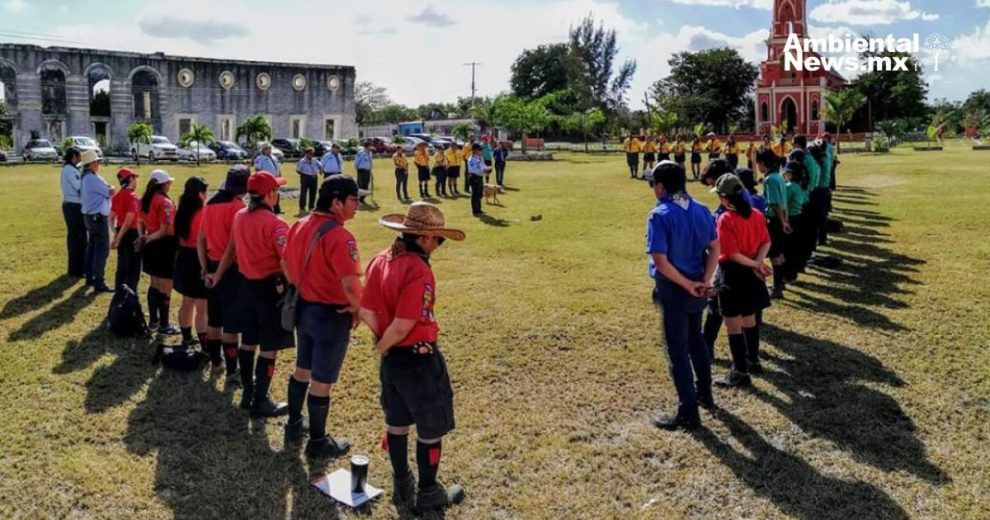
{"points": [[791, 96]]}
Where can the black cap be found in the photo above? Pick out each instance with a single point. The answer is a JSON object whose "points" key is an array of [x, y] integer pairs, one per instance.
{"points": [[237, 179], [338, 187]]}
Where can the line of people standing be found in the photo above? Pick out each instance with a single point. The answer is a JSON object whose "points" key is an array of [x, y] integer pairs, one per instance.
{"points": [[716, 260]]}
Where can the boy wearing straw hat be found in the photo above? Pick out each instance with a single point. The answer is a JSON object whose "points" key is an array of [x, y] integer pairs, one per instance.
{"points": [[398, 300]]}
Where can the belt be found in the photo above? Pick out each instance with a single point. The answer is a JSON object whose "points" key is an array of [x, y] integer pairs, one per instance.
{"points": [[423, 348]]}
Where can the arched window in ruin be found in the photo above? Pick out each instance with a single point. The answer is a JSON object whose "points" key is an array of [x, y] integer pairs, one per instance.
{"points": [[98, 80], [144, 92], [53, 90]]}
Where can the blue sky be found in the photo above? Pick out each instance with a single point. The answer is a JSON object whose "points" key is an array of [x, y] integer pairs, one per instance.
{"points": [[416, 49]]}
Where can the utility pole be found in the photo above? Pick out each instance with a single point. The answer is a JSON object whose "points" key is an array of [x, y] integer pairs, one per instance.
{"points": [[473, 64]]}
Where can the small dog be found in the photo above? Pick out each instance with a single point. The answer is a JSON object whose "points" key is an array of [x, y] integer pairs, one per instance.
{"points": [[491, 192]]}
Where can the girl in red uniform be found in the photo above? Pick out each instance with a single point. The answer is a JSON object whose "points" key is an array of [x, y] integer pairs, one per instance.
{"points": [[125, 207], [188, 272], [744, 243], [158, 245]]}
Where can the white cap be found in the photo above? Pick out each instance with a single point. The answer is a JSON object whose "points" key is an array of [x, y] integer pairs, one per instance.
{"points": [[161, 177]]}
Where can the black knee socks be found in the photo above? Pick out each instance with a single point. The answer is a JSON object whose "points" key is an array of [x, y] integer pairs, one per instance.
{"points": [[165, 300], [230, 356], [428, 461], [153, 298], [398, 453], [186, 333], [318, 408], [246, 359], [778, 277], [212, 347], [737, 346], [297, 394], [752, 344], [263, 372]]}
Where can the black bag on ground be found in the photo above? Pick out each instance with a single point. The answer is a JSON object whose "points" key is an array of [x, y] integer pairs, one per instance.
{"points": [[179, 358], [834, 226], [125, 318]]}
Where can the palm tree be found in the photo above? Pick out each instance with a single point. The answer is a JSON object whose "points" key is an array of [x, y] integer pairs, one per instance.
{"points": [[841, 106], [200, 134], [462, 131], [254, 128], [484, 114], [139, 133]]}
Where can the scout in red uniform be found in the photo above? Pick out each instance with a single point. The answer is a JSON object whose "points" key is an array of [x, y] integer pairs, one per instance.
{"points": [[188, 273], [258, 238], [125, 210], [321, 260], [397, 304], [158, 246], [222, 310]]}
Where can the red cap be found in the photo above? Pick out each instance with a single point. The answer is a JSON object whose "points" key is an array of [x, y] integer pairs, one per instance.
{"points": [[125, 173], [261, 183], [825, 135]]}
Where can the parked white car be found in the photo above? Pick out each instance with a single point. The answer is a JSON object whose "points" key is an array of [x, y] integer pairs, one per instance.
{"points": [[159, 148], [83, 143], [188, 152], [276, 153], [409, 144], [40, 150]]}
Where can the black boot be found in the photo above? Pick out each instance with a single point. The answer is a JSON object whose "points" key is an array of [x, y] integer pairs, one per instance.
{"points": [[262, 405], [437, 497], [676, 422], [404, 490], [245, 359]]}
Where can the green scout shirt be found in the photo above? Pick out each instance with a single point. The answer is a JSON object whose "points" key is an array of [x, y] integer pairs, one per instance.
{"points": [[796, 199], [774, 191]]}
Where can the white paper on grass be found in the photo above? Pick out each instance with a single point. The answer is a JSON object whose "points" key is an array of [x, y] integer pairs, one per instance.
{"points": [[337, 485]]}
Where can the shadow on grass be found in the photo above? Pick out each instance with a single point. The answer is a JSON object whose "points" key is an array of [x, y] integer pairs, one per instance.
{"points": [[793, 485], [38, 297], [58, 315], [492, 221], [826, 396], [215, 462]]}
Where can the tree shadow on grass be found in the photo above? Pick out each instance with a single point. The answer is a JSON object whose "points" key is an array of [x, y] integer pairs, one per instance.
{"points": [[58, 315], [826, 396], [38, 297], [793, 485], [215, 462]]}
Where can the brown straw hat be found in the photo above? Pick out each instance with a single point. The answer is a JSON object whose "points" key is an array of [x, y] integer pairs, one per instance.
{"points": [[422, 218]]}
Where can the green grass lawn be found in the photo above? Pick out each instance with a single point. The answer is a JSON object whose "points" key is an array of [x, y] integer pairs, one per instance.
{"points": [[875, 404]]}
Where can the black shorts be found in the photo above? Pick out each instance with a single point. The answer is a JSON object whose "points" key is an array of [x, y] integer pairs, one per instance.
{"points": [[733, 159], [158, 257], [262, 316], [323, 334], [663, 156], [188, 277], [488, 162], [649, 157], [423, 173], [453, 172], [223, 309], [713, 156], [679, 158], [695, 158], [777, 237], [440, 172], [632, 159], [416, 390], [742, 292]]}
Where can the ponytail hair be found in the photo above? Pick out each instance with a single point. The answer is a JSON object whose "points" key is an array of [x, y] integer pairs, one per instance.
{"points": [[152, 189], [739, 203], [189, 205]]}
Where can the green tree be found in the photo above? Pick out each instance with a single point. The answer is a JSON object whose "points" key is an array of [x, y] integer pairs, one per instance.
{"points": [[663, 121], [893, 94], [462, 131], [521, 116], [393, 113], [540, 71], [139, 133], [585, 122], [892, 129], [100, 104], [978, 100], [594, 76], [255, 129], [711, 85], [368, 99], [201, 134], [484, 113], [841, 106]]}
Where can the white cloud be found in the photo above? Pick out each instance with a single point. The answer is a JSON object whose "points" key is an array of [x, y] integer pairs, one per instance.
{"points": [[973, 47], [758, 4], [14, 6], [982, 3], [868, 12]]}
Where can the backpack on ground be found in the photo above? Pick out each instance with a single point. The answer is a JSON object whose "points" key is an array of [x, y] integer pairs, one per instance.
{"points": [[125, 318], [179, 358], [834, 225]]}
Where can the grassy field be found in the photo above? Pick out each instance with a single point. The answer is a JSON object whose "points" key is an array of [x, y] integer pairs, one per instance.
{"points": [[875, 404]]}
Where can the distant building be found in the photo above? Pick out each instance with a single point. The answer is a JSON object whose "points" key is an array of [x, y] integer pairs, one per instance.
{"points": [[436, 126], [57, 92], [794, 97]]}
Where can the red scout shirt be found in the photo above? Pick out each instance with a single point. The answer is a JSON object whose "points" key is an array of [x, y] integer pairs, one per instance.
{"points": [[741, 235], [400, 284], [259, 238], [123, 202], [218, 220], [334, 257], [194, 227], [161, 213]]}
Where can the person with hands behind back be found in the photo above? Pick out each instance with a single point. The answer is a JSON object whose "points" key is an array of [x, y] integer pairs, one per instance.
{"points": [[683, 250], [744, 243], [399, 295], [321, 260]]}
